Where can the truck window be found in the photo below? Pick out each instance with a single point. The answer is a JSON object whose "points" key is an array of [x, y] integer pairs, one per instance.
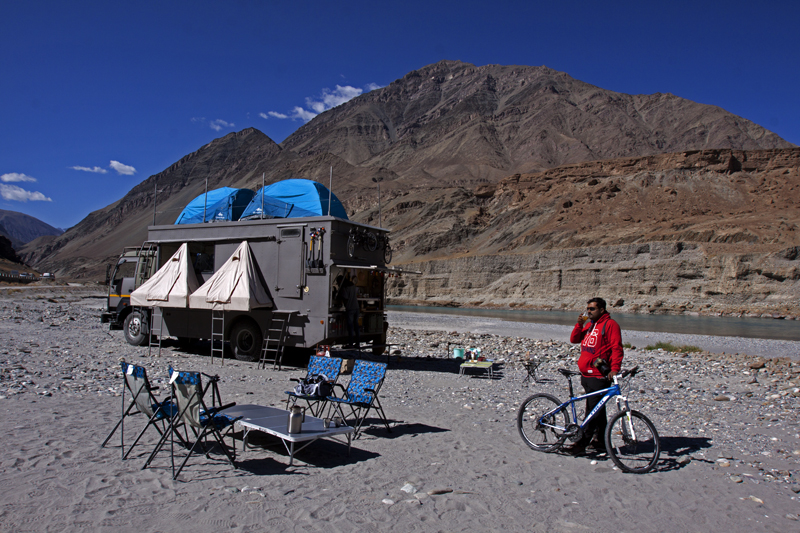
{"points": [[291, 233], [126, 269]]}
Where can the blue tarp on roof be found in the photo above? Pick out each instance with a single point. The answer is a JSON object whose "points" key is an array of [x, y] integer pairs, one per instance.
{"points": [[226, 203], [294, 198]]}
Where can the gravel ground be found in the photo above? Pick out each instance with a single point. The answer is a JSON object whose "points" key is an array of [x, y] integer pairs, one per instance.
{"points": [[731, 416]]}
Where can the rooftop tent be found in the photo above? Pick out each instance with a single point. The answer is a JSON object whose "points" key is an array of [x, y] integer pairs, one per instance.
{"points": [[236, 286], [294, 198], [226, 203], [171, 285]]}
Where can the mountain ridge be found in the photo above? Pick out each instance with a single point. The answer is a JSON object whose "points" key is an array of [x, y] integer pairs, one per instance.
{"points": [[482, 162]]}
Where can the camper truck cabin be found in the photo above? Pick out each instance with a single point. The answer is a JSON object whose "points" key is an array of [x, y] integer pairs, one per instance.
{"points": [[293, 271]]}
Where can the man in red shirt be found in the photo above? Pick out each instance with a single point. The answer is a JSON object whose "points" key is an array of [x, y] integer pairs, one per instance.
{"points": [[601, 346]]}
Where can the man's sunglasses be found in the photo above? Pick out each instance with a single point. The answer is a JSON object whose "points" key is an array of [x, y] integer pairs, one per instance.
{"points": [[591, 309]]}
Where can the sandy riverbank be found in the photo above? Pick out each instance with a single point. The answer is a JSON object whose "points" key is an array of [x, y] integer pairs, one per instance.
{"points": [[727, 465]]}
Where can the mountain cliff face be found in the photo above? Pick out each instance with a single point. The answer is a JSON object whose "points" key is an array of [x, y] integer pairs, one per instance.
{"points": [[516, 186], [715, 231]]}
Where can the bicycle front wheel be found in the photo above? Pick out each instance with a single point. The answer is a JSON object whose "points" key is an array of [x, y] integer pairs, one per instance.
{"points": [[371, 242], [537, 430], [632, 442]]}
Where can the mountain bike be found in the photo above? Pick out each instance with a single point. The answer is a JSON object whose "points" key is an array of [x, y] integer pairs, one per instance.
{"points": [[361, 237], [631, 439], [383, 242]]}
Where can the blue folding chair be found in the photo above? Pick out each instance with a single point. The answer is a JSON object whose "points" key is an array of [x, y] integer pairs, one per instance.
{"points": [[159, 413], [361, 395], [330, 367], [195, 415]]}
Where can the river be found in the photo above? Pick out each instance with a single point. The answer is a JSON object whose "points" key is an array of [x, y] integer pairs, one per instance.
{"points": [[752, 336]]}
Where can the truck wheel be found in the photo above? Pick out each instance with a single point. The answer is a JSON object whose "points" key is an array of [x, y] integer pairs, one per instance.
{"points": [[246, 341], [134, 329]]}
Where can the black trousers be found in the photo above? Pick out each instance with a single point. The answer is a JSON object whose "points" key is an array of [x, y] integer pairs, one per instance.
{"points": [[597, 425], [353, 332]]}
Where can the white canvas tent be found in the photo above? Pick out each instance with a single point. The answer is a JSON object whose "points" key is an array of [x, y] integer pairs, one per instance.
{"points": [[235, 287], [171, 285]]}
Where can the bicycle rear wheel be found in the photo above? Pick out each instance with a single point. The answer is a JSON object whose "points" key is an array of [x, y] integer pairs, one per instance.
{"points": [[632, 442], [536, 430]]}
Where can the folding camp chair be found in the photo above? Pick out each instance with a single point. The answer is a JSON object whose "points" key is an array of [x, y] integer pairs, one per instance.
{"points": [[361, 395], [195, 415], [143, 402], [326, 366]]}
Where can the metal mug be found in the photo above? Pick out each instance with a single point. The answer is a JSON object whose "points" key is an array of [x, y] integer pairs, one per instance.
{"points": [[297, 416]]}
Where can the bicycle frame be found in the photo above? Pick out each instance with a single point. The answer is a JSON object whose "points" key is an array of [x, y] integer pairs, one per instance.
{"points": [[611, 392]]}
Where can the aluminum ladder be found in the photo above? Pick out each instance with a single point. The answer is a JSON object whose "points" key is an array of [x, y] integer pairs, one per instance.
{"points": [[272, 346], [154, 336], [218, 334]]}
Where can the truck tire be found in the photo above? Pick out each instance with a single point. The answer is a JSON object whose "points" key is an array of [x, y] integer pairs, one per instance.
{"points": [[134, 329], [246, 338]]}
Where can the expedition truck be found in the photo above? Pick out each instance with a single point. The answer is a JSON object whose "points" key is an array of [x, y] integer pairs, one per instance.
{"points": [[300, 261]]}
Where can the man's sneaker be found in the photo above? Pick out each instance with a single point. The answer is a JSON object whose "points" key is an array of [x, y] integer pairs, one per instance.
{"points": [[598, 447], [576, 449]]}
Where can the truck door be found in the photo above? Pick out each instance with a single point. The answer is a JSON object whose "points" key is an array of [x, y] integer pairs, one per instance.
{"points": [[291, 267]]}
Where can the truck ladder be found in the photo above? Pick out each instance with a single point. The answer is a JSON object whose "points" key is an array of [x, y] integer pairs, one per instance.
{"points": [[147, 254], [218, 334], [154, 337], [272, 346]]}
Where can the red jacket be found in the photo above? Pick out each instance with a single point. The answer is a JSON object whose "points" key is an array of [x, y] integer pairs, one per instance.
{"points": [[600, 339]]}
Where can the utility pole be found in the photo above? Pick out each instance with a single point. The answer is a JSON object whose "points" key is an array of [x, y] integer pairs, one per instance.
{"points": [[378, 181]]}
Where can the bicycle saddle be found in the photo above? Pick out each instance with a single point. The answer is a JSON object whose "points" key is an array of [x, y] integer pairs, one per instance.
{"points": [[568, 373]]}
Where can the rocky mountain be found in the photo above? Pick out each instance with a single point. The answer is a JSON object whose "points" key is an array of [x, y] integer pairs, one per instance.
{"points": [[493, 170], [20, 228], [714, 231], [7, 251], [452, 123]]}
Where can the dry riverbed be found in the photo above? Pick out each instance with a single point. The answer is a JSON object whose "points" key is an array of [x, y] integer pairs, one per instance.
{"points": [[729, 425]]}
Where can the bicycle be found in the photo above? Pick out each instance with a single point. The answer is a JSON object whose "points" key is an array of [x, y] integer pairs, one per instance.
{"points": [[383, 242], [361, 237], [631, 438]]}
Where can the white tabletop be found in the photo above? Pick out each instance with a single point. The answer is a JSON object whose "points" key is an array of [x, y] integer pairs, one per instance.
{"points": [[275, 421]]}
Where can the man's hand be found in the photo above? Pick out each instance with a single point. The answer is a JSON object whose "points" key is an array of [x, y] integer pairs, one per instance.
{"points": [[582, 319], [611, 375]]}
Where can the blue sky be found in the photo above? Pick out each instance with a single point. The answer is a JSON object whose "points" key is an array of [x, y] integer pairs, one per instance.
{"points": [[97, 96]]}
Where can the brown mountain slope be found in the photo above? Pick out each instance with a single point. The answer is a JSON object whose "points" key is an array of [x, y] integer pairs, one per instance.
{"points": [[453, 123], [715, 230], [445, 140]]}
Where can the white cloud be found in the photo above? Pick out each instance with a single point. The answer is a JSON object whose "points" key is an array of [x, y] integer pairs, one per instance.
{"points": [[14, 177], [333, 98], [302, 114], [96, 170], [125, 170], [218, 124], [18, 194], [328, 100]]}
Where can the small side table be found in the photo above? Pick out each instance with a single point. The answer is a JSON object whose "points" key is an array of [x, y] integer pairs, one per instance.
{"points": [[483, 365]]}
